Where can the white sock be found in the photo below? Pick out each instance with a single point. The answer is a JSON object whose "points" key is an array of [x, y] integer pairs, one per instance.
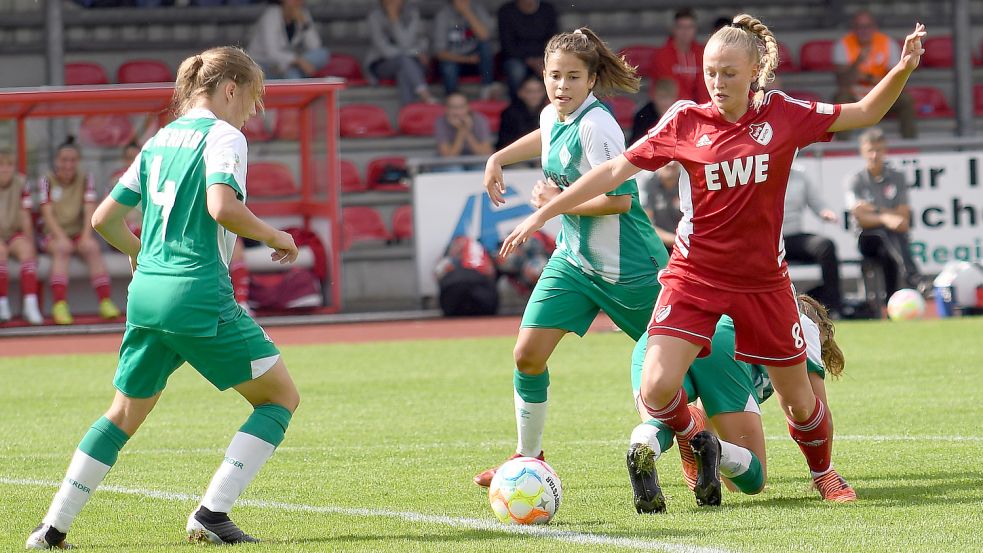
{"points": [[82, 478], [646, 434], [4, 308], [243, 459], [32, 312], [734, 459], [530, 419]]}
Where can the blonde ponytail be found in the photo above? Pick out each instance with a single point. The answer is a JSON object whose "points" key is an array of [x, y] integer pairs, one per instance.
{"points": [[754, 36], [202, 73]]}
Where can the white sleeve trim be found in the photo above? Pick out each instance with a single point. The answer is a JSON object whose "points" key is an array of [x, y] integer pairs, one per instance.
{"points": [[601, 137], [131, 177], [226, 152]]}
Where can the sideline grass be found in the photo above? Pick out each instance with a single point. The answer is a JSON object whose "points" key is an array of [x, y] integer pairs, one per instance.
{"points": [[404, 426]]}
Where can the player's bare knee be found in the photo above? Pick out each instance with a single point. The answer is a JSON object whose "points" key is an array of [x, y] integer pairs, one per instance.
{"points": [[529, 361]]}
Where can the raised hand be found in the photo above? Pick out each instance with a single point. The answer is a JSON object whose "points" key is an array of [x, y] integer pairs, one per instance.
{"points": [[495, 182], [912, 51], [517, 237]]}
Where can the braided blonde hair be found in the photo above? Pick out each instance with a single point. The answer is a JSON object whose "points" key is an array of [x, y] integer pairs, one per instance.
{"points": [[754, 37]]}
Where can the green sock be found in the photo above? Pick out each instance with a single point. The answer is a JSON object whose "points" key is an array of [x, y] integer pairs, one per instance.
{"points": [[532, 387], [103, 441], [268, 422], [746, 475]]}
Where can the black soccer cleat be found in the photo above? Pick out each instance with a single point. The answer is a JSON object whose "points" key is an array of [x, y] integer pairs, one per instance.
{"points": [[217, 528], [706, 449], [46, 536], [644, 479]]}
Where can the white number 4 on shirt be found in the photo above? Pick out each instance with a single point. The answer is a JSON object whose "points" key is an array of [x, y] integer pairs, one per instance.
{"points": [[165, 197]]}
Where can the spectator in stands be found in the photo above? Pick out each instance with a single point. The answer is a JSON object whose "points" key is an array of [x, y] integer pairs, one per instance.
{"points": [[286, 43], [17, 239], [662, 94], [462, 33], [803, 247], [522, 115], [681, 58], [863, 57], [877, 196], [68, 199], [399, 49], [462, 133], [661, 202], [524, 27]]}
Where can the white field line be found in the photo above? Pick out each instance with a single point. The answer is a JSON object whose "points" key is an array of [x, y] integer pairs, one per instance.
{"points": [[579, 538], [482, 445]]}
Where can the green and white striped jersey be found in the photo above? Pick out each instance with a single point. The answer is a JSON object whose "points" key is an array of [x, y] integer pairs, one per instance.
{"points": [[182, 283], [619, 248]]}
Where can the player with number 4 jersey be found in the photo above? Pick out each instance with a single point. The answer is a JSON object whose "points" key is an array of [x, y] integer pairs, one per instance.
{"points": [[728, 259], [190, 182]]}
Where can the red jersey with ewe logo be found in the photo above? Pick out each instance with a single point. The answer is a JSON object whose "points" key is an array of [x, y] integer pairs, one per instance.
{"points": [[730, 236]]}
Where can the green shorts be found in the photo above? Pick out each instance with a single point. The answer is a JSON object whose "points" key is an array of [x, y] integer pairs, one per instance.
{"points": [[240, 351], [723, 384], [567, 298]]}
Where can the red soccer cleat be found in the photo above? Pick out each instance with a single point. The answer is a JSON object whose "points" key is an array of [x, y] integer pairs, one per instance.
{"points": [[832, 487], [484, 479], [690, 470]]}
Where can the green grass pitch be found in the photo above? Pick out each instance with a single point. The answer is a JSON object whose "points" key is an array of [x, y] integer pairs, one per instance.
{"points": [[388, 436]]}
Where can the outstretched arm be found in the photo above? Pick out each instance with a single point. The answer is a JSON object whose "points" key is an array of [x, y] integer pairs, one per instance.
{"points": [[599, 180], [870, 109]]}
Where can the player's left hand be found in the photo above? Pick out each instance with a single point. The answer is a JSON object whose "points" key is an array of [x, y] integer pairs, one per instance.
{"points": [[517, 237], [543, 192], [284, 248], [912, 51]]}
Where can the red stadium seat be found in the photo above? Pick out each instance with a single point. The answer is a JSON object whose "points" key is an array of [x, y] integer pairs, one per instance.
{"points": [[938, 51], [85, 73], [377, 167], [930, 102], [805, 95], [785, 62], [266, 179], [287, 125], [418, 119], [817, 55], [110, 131], [256, 130], [623, 109], [362, 224], [642, 56], [403, 223], [345, 66], [351, 181], [978, 99], [491, 109], [364, 121], [144, 71]]}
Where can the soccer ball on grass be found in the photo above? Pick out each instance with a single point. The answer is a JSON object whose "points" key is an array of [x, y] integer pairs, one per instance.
{"points": [[525, 491], [905, 304]]}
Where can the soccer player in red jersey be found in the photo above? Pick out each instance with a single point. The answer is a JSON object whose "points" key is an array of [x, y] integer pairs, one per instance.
{"points": [[729, 257]]}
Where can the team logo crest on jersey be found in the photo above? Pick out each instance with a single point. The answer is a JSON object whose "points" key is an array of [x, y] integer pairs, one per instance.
{"points": [[564, 155], [761, 132], [703, 141], [890, 191], [661, 314]]}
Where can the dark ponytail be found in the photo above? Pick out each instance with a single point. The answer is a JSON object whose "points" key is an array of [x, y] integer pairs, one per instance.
{"points": [[612, 72]]}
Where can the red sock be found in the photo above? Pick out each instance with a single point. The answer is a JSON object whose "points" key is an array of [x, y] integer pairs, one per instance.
{"points": [[240, 280], [29, 278], [101, 285], [675, 414], [59, 287], [3, 280], [815, 438]]}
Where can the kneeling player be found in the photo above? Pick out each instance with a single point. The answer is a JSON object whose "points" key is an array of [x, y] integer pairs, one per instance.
{"points": [[730, 392]]}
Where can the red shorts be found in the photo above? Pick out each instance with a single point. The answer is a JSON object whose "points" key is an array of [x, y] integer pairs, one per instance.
{"points": [[766, 324]]}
